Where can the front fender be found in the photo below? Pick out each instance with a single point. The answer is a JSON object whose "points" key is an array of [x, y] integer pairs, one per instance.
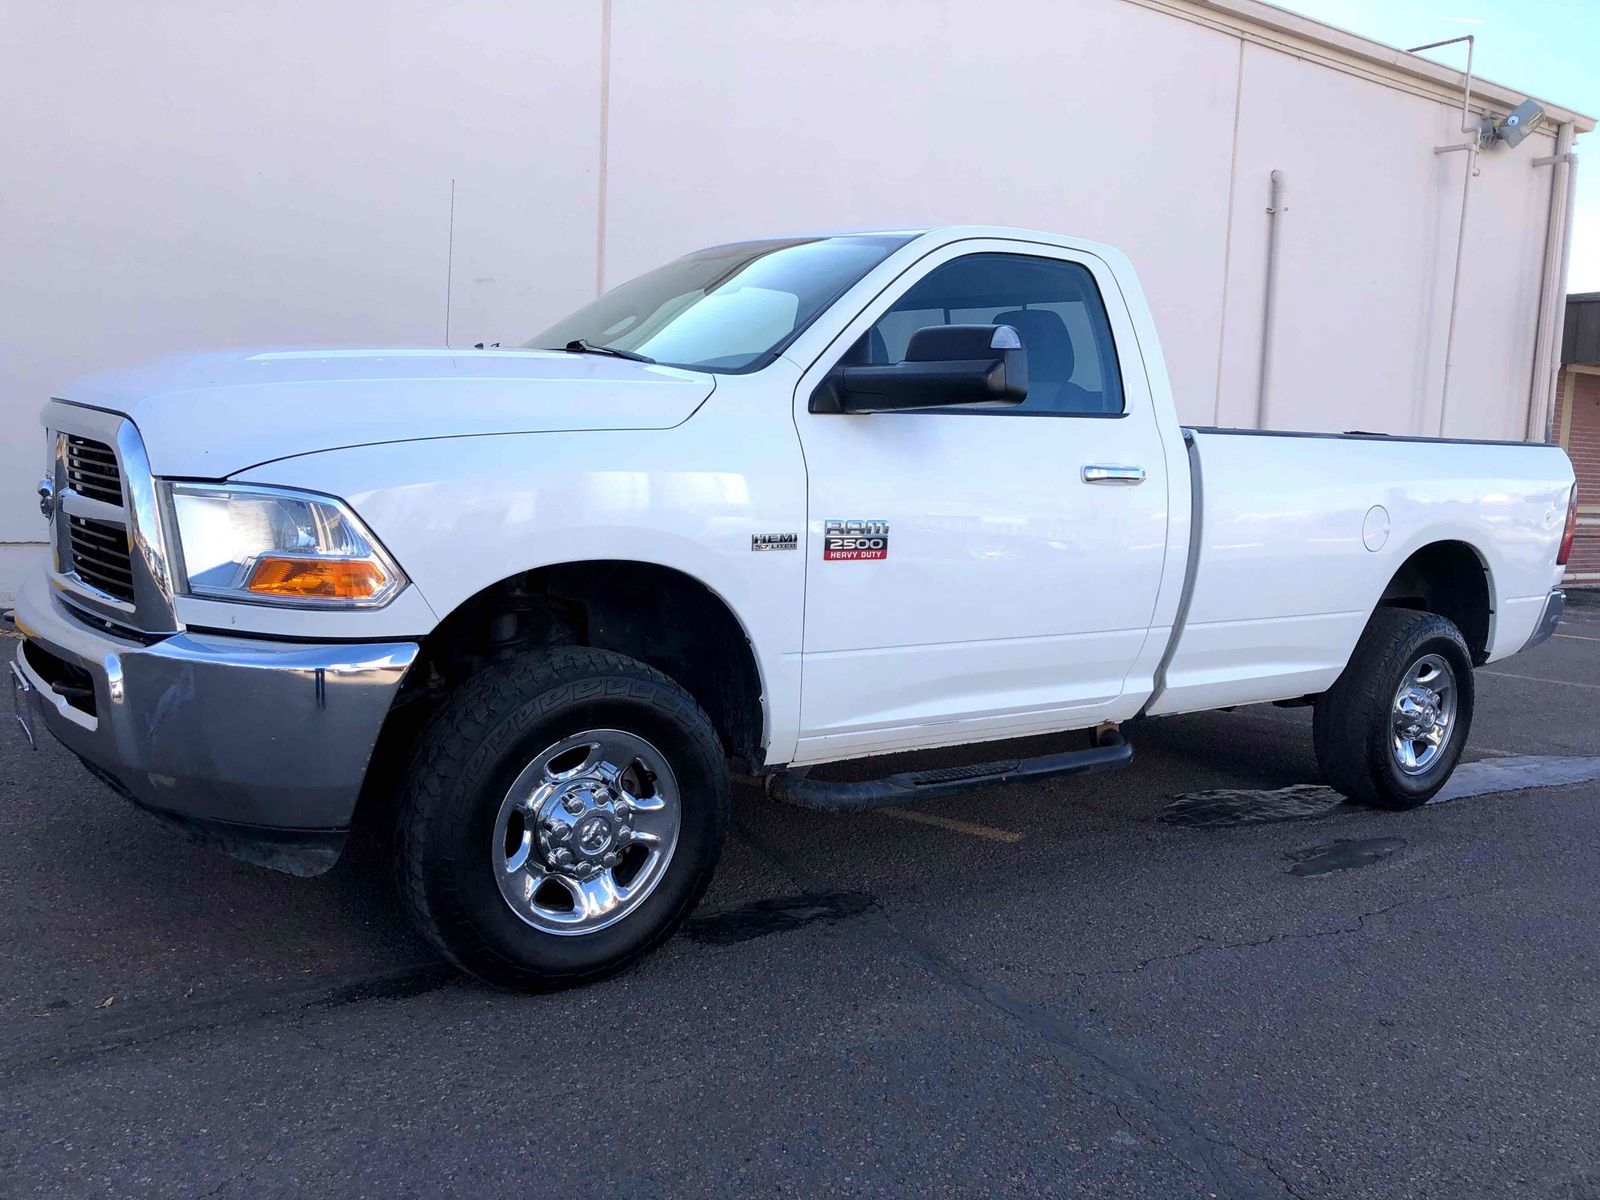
{"points": [[462, 514]]}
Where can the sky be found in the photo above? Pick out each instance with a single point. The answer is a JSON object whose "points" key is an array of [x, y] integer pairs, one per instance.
{"points": [[1544, 48]]}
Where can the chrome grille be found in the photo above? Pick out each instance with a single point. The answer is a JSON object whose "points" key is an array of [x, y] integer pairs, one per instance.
{"points": [[92, 470], [100, 556], [110, 555]]}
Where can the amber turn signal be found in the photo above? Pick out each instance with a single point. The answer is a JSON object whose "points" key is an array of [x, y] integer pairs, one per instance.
{"points": [[317, 578]]}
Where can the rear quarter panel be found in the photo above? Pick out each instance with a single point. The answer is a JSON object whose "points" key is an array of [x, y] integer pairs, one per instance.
{"points": [[1286, 581]]}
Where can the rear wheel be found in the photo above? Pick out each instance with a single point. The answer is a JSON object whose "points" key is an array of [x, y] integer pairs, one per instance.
{"points": [[1391, 729], [563, 814]]}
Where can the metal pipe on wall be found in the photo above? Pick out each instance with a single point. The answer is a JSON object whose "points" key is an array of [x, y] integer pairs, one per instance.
{"points": [[1475, 128], [1275, 207], [1552, 299], [1455, 284], [1561, 284], [1471, 39]]}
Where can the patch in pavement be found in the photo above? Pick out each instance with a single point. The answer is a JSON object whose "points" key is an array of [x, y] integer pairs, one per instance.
{"points": [[1306, 801], [1239, 806], [778, 915], [1344, 854]]}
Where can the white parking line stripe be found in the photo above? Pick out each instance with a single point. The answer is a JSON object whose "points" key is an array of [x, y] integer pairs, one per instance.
{"points": [[967, 827], [1516, 774], [1577, 637]]}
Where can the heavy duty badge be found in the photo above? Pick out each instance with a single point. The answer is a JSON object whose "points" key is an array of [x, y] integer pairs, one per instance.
{"points": [[774, 541], [855, 541]]}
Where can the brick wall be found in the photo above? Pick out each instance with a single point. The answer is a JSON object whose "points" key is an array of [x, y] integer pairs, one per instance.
{"points": [[1578, 430]]}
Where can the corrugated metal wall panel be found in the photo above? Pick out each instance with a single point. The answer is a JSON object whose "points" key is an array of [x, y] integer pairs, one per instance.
{"points": [[1580, 335]]}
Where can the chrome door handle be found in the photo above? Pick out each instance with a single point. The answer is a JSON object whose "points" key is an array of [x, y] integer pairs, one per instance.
{"points": [[1123, 475]]}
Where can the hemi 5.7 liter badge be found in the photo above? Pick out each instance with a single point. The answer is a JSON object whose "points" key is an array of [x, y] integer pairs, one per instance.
{"points": [[855, 541], [774, 541]]}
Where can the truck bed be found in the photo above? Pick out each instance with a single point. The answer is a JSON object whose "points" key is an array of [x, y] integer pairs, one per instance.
{"points": [[1280, 592]]}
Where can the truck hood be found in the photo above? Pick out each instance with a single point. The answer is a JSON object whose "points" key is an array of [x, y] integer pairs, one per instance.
{"points": [[214, 414]]}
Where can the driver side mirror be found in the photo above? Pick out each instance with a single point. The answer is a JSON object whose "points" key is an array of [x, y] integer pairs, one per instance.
{"points": [[945, 365]]}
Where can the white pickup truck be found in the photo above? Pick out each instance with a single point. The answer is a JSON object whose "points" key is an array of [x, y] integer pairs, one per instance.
{"points": [[773, 505]]}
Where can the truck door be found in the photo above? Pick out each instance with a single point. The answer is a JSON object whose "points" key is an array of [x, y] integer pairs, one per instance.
{"points": [[979, 573]]}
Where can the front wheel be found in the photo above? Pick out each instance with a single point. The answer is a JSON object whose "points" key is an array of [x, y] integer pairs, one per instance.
{"points": [[563, 814], [1391, 729]]}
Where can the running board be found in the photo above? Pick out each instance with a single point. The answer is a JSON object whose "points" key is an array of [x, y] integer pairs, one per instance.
{"points": [[908, 787]]}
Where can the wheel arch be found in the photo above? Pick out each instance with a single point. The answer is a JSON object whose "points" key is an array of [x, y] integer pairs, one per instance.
{"points": [[1451, 578], [660, 615]]}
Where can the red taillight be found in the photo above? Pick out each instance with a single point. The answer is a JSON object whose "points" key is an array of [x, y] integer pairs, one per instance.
{"points": [[1572, 528]]}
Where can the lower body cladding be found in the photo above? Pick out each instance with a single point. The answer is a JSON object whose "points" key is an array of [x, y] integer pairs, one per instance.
{"points": [[257, 748]]}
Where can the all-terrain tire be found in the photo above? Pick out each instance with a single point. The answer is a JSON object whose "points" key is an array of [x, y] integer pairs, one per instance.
{"points": [[1354, 725], [472, 752]]}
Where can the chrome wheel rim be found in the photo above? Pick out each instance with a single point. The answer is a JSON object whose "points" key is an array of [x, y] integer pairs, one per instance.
{"points": [[1423, 717], [585, 832]]}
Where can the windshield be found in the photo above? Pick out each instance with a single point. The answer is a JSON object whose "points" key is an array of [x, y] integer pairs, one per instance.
{"points": [[730, 308]]}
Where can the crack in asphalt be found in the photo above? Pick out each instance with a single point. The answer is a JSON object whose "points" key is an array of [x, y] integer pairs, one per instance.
{"points": [[1210, 946], [1191, 1147], [241, 1173], [72, 1042], [1184, 1140]]}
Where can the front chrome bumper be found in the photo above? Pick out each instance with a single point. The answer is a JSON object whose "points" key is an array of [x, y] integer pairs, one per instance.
{"points": [[245, 740]]}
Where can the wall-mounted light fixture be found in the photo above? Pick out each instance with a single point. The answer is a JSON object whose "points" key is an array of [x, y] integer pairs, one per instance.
{"points": [[1518, 123]]}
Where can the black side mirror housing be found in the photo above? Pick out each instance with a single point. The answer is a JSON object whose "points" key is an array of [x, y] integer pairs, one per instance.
{"points": [[945, 365]]}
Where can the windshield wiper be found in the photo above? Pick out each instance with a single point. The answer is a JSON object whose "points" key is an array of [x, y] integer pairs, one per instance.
{"points": [[582, 346]]}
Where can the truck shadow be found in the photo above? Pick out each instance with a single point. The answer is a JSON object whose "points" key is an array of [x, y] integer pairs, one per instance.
{"points": [[189, 923]]}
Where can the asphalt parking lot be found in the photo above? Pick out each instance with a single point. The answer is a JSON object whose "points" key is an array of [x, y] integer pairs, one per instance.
{"points": [[1051, 989]]}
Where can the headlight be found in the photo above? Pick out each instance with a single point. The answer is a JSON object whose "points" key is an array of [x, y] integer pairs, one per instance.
{"points": [[277, 546]]}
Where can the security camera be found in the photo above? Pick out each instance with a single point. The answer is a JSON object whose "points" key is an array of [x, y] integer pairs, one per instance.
{"points": [[1519, 122]]}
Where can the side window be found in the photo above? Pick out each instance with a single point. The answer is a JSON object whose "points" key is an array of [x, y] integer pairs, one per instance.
{"points": [[1054, 306]]}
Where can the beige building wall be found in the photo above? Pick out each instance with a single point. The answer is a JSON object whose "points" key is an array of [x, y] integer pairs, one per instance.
{"points": [[1099, 118], [187, 175], [183, 175]]}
